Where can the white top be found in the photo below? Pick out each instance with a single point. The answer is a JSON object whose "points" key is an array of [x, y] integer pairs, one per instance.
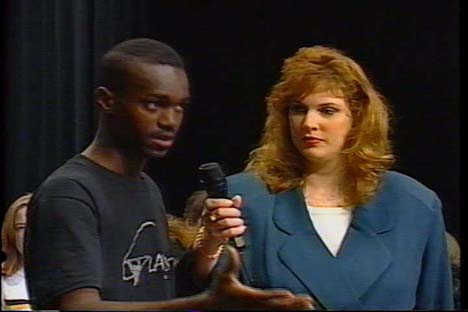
{"points": [[14, 287], [331, 223]]}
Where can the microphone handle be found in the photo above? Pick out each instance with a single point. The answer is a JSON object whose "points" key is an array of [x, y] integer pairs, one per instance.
{"points": [[238, 242], [217, 188], [214, 182]]}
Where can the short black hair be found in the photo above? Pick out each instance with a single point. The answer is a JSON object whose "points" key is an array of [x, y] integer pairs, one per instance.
{"points": [[112, 68]]}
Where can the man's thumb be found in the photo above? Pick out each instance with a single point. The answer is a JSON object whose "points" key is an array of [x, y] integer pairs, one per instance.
{"points": [[230, 263]]}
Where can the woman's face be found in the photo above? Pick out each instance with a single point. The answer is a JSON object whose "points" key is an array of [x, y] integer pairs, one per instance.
{"points": [[20, 223], [319, 125]]}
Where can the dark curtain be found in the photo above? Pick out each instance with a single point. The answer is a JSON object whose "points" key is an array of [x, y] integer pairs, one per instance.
{"points": [[52, 47], [48, 114], [234, 51]]}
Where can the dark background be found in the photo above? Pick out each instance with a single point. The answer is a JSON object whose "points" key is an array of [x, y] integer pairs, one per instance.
{"points": [[234, 51]]}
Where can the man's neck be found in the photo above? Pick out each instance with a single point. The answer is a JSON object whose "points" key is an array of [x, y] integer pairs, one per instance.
{"points": [[115, 159]]}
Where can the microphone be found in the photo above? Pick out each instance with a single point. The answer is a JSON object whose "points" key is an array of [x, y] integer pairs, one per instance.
{"points": [[213, 180]]}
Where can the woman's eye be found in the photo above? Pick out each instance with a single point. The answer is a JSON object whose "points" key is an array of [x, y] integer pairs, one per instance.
{"points": [[328, 110], [298, 109]]}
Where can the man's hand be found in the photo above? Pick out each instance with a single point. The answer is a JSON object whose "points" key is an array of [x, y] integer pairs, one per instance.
{"points": [[226, 292], [222, 221]]}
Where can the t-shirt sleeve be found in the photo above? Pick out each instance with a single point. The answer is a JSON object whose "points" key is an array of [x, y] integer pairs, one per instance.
{"points": [[62, 249]]}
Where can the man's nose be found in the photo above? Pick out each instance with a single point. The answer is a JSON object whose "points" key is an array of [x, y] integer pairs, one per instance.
{"points": [[168, 118]]}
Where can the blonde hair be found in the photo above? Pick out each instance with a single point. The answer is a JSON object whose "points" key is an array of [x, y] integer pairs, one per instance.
{"points": [[367, 150], [14, 259], [180, 230], [453, 249], [185, 229], [193, 211]]}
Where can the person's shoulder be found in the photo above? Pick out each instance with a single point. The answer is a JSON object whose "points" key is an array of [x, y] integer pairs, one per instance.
{"points": [[77, 167], [402, 185], [250, 186], [150, 182], [247, 180], [71, 179], [402, 182]]}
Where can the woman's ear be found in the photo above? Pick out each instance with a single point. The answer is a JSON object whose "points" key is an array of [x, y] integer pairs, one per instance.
{"points": [[104, 99]]}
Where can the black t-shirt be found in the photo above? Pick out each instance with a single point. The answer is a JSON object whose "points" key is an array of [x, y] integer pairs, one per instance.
{"points": [[90, 227]]}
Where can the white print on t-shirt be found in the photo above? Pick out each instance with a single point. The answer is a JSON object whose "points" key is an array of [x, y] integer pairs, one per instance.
{"points": [[133, 267]]}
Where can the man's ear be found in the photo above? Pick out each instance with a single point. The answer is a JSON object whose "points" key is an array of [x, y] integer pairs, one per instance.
{"points": [[104, 99]]}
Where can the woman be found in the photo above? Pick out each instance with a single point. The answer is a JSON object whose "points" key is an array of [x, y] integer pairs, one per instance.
{"points": [[325, 215], [14, 291]]}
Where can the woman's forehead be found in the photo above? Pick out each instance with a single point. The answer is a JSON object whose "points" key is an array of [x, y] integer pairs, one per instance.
{"points": [[20, 214]]}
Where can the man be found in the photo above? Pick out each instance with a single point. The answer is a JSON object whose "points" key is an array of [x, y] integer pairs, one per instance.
{"points": [[97, 233]]}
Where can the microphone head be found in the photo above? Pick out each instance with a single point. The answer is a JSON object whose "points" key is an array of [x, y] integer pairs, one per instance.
{"points": [[212, 179]]}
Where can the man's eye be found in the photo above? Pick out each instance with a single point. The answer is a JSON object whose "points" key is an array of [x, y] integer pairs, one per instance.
{"points": [[179, 108], [153, 105]]}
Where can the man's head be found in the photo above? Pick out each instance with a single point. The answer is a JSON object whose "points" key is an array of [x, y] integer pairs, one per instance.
{"points": [[141, 95]]}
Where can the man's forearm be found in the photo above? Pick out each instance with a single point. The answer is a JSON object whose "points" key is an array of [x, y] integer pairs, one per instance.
{"points": [[205, 253]]}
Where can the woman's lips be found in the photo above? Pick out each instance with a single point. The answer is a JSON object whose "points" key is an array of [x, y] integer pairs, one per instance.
{"points": [[312, 141]]}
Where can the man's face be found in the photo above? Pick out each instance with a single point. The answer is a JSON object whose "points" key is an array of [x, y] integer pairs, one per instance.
{"points": [[150, 112]]}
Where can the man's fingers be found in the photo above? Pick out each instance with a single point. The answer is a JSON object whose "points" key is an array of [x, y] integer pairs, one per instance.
{"points": [[229, 222], [303, 302], [221, 213], [233, 231], [281, 299], [295, 303], [259, 294], [214, 203], [228, 233], [278, 298]]}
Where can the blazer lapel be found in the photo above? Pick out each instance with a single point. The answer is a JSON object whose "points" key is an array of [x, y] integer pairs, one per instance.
{"points": [[337, 282]]}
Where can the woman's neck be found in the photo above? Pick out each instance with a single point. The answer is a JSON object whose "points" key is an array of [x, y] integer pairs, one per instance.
{"points": [[327, 187]]}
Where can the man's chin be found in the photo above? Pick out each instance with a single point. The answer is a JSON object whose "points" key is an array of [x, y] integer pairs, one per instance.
{"points": [[156, 153]]}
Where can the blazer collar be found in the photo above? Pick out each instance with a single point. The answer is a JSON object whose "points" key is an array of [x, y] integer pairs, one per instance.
{"points": [[337, 282], [372, 218]]}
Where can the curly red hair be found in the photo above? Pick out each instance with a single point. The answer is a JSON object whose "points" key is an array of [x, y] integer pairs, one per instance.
{"points": [[368, 151]]}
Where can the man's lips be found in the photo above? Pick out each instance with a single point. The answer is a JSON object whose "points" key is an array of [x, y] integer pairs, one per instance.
{"points": [[164, 141]]}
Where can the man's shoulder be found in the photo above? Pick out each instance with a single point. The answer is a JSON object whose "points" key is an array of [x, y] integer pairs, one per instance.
{"points": [[150, 181], [73, 178]]}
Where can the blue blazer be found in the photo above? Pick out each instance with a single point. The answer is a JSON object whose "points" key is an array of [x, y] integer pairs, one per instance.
{"points": [[393, 257]]}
